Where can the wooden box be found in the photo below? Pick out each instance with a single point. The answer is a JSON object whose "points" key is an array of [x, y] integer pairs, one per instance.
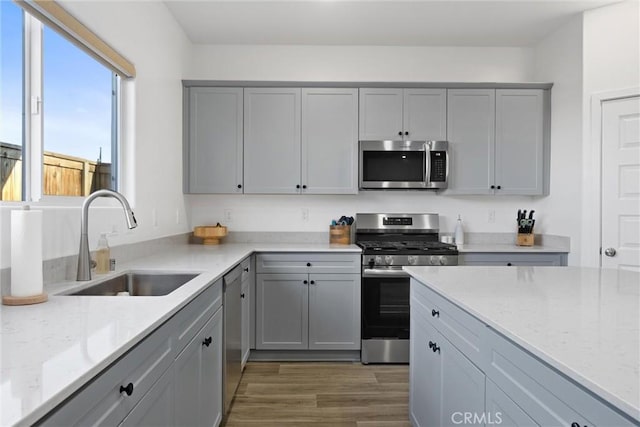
{"points": [[340, 234], [524, 239]]}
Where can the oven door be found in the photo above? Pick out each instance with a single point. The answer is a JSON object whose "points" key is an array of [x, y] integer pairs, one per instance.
{"points": [[385, 304], [393, 165]]}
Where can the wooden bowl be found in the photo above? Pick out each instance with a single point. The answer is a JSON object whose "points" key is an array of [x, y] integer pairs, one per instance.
{"points": [[210, 234]]}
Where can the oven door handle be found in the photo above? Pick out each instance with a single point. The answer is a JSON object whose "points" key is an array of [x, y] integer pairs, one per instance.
{"points": [[371, 272]]}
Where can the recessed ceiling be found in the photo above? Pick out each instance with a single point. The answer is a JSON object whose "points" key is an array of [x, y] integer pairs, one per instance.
{"points": [[380, 23]]}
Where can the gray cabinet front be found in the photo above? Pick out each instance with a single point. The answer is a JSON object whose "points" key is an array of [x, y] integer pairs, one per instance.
{"points": [[381, 114], [513, 259], [272, 140], [214, 144], [329, 141], [156, 407], [425, 114]]}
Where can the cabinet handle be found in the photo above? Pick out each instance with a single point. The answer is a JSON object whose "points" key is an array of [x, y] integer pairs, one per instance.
{"points": [[246, 269], [431, 344], [493, 186], [313, 282], [435, 313], [406, 133], [400, 133], [305, 282], [207, 341], [574, 424], [239, 186], [242, 295], [298, 186], [508, 264], [304, 186], [435, 348], [128, 389], [308, 264], [499, 187]]}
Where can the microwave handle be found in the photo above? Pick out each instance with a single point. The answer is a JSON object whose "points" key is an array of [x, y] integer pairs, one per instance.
{"points": [[427, 163]]}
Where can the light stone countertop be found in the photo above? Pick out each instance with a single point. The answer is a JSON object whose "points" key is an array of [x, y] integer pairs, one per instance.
{"points": [[508, 248], [585, 322], [49, 350]]}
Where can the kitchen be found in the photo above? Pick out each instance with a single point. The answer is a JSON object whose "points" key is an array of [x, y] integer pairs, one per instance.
{"points": [[569, 55]]}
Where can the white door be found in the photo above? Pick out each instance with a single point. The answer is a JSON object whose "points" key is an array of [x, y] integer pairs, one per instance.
{"points": [[621, 184]]}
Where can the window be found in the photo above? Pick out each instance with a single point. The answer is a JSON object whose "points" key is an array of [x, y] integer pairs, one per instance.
{"points": [[63, 141]]}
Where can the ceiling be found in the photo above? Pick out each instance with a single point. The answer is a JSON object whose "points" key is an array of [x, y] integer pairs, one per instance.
{"points": [[379, 23]]}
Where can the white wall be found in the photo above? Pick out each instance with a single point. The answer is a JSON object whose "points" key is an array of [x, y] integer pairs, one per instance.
{"points": [[558, 59], [146, 34], [362, 63], [611, 62]]}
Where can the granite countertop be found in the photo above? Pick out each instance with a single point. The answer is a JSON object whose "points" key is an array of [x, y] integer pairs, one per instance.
{"points": [[48, 351], [565, 316]]}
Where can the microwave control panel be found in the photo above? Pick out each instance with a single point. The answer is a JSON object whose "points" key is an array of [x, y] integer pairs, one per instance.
{"points": [[438, 166]]}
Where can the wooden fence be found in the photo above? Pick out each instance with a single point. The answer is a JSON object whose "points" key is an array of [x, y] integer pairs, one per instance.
{"points": [[63, 175]]}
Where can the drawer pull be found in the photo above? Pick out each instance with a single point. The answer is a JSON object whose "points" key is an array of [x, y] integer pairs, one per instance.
{"points": [[207, 341], [305, 282], [435, 313], [242, 295], [434, 347], [575, 424], [246, 270], [128, 389], [308, 264], [313, 282]]}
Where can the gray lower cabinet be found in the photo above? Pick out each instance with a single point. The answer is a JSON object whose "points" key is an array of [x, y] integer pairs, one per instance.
{"points": [[458, 371], [172, 377], [498, 141], [444, 384], [213, 144], [307, 301], [510, 258], [247, 279], [197, 375], [403, 114]]}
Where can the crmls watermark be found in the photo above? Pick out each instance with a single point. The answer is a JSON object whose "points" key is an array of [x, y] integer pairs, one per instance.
{"points": [[475, 418]]}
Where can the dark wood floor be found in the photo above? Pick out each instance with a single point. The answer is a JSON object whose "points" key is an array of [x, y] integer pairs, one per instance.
{"points": [[332, 394]]}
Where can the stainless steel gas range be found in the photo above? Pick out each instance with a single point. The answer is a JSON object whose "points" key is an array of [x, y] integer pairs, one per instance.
{"points": [[388, 242]]}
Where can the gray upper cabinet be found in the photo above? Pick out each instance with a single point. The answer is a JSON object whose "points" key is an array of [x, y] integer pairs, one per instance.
{"points": [[397, 114], [213, 149], [471, 131], [329, 141], [497, 141], [519, 141], [272, 140]]}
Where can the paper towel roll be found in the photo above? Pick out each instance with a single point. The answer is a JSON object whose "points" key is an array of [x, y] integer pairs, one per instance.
{"points": [[26, 253]]}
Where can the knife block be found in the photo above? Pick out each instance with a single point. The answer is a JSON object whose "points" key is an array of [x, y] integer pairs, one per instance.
{"points": [[340, 234], [524, 239]]}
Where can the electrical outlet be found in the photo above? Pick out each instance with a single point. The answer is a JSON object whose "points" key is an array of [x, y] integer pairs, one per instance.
{"points": [[227, 216], [492, 216], [304, 214]]}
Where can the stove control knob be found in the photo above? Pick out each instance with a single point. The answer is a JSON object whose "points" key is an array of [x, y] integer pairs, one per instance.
{"points": [[433, 260], [442, 260], [378, 260], [412, 260], [388, 260]]}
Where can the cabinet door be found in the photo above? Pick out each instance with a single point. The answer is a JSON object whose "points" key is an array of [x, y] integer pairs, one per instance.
{"points": [[334, 311], [272, 140], [187, 376], [425, 114], [330, 141], [462, 386], [502, 410], [246, 307], [282, 311], [214, 141], [519, 141], [381, 114], [425, 371], [471, 132], [156, 407], [211, 373]]}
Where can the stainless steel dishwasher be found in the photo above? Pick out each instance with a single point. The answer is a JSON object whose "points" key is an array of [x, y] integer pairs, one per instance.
{"points": [[232, 335]]}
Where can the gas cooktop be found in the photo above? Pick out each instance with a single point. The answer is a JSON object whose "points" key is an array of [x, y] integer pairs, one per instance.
{"points": [[407, 247]]}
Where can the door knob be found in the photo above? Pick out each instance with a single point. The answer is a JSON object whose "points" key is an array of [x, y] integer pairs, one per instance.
{"points": [[610, 252]]}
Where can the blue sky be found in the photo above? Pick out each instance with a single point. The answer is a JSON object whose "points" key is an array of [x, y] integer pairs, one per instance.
{"points": [[76, 92]]}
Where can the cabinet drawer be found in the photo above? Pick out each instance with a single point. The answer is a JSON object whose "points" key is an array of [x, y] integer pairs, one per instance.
{"points": [[101, 402], [463, 330], [533, 259], [288, 263], [559, 402], [192, 318]]}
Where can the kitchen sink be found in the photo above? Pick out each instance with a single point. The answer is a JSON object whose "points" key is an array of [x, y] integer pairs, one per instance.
{"points": [[138, 284]]}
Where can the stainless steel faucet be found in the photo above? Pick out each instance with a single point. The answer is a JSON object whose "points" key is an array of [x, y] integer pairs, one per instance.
{"points": [[84, 258]]}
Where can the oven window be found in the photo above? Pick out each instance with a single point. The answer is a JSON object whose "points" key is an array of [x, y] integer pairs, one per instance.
{"points": [[385, 307], [397, 166]]}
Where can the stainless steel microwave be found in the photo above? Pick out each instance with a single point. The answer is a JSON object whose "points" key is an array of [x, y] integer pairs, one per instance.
{"points": [[408, 165]]}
